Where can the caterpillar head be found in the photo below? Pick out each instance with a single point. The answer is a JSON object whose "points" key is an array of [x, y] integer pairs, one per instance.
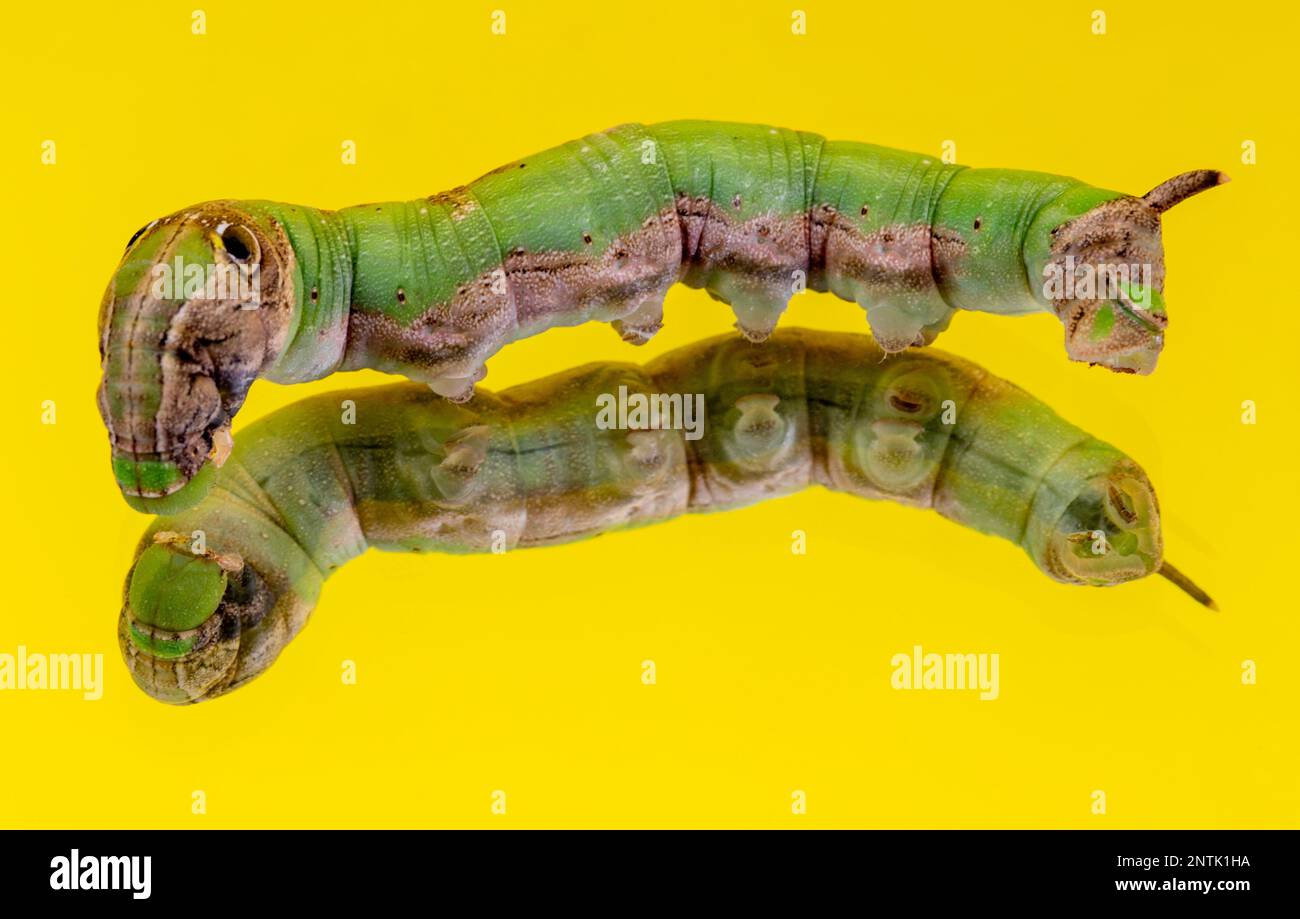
{"points": [[1101, 267], [1095, 519], [201, 302], [196, 626]]}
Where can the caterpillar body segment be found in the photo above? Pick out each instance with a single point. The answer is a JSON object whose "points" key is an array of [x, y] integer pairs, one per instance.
{"points": [[714, 426], [599, 229]]}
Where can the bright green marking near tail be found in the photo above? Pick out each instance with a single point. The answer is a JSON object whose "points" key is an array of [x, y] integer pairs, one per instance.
{"points": [[1143, 297], [175, 591], [1103, 322], [1124, 542], [1137, 293], [1135, 300], [163, 648]]}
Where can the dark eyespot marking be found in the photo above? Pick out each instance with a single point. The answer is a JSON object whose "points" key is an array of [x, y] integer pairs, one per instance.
{"points": [[865, 210], [315, 295], [735, 202], [239, 243], [236, 248], [586, 237], [136, 235], [401, 295], [978, 222]]}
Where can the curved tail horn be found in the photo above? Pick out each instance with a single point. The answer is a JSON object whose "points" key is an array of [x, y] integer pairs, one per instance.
{"points": [[1181, 187], [1186, 585]]}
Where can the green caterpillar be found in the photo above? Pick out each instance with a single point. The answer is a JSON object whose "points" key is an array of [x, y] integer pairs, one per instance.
{"points": [[599, 229], [218, 590]]}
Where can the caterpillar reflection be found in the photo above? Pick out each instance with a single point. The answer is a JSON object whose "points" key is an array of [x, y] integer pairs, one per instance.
{"points": [[219, 589], [599, 229]]}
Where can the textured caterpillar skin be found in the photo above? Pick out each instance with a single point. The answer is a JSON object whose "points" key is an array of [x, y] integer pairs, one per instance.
{"points": [[599, 229], [304, 492]]}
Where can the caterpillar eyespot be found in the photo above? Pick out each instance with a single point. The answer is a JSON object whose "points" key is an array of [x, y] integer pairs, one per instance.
{"points": [[419, 474], [240, 244], [737, 210]]}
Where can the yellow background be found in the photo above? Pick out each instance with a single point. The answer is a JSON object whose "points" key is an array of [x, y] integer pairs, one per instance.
{"points": [[522, 672]]}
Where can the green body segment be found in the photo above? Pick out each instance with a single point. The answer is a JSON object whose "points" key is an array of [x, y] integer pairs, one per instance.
{"points": [[568, 457], [322, 290], [599, 229]]}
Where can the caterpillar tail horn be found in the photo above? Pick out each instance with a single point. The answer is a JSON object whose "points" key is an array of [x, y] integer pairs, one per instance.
{"points": [[1181, 187], [1186, 585]]}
